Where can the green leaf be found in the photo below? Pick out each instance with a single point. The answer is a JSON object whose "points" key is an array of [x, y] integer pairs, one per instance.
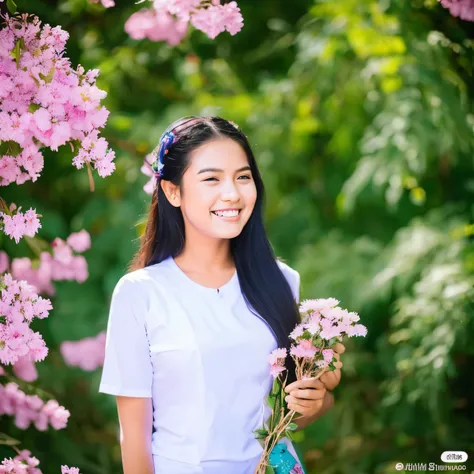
{"points": [[16, 53], [276, 386], [33, 108], [271, 401], [10, 148], [261, 433], [292, 426], [49, 77], [275, 418], [8, 440], [269, 470], [11, 5]]}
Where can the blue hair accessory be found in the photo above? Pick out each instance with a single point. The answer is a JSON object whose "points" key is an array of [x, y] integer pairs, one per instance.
{"points": [[165, 142]]}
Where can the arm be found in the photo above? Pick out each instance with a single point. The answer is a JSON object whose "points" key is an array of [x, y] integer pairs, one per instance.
{"points": [[304, 421], [136, 418]]}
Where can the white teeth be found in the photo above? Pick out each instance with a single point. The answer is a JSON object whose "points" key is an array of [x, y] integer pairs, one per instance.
{"points": [[226, 213]]}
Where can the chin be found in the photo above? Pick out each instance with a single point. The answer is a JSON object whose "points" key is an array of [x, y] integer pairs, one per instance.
{"points": [[228, 235]]}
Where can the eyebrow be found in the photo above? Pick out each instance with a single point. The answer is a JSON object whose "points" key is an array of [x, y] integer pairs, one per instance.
{"points": [[218, 170]]}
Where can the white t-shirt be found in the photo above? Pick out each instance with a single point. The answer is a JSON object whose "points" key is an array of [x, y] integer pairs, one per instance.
{"points": [[202, 356]]}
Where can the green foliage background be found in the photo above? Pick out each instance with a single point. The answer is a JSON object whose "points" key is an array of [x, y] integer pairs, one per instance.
{"points": [[360, 115]]}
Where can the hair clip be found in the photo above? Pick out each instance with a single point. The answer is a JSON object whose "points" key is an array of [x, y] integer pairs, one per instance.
{"points": [[165, 142]]}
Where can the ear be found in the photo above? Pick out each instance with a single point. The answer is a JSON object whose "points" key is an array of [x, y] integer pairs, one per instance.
{"points": [[172, 192]]}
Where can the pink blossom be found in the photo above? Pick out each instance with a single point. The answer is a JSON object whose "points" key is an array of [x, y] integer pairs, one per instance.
{"points": [[88, 353], [156, 26], [23, 463], [27, 409], [328, 355], [45, 102], [277, 355], [463, 9], [356, 330], [217, 18], [20, 304], [181, 8], [25, 369], [4, 263], [70, 470], [61, 265], [276, 369], [305, 348], [297, 332], [168, 20], [277, 361], [317, 305], [19, 224], [79, 241]]}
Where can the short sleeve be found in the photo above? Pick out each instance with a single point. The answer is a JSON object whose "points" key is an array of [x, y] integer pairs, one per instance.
{"points": [[293, 279], [127, 369]]}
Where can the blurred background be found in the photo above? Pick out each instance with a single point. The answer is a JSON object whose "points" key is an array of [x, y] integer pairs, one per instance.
{"points": [[360, 116]]}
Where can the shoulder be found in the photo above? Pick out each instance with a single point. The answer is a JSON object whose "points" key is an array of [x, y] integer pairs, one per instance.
{"points": [[141, 282], [290, 273], [292, 277]]}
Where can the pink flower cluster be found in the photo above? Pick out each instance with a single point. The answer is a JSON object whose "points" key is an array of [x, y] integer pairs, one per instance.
{"points": [[463, 9], [44, 102], [277, 361], [324, 318], [19, 305], [29, 409], [88, 353], [25, 369], [323, 323], [59, 265], [168, 20], [19, 224], [24, 463]]}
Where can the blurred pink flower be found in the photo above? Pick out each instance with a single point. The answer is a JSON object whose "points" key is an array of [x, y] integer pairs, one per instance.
{"points": [[156, 26], [29, 409], [4, 262], [25, 369], [88, 353], [463, 9]]}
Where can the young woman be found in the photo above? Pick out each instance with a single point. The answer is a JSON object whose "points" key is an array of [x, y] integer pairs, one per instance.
{"points": [[191, 326]]}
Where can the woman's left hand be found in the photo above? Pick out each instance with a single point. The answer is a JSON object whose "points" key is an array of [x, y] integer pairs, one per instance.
{"points": [[306, 397]]}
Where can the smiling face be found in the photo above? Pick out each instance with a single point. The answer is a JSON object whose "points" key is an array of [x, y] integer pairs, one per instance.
{"points": [[219, 192]]}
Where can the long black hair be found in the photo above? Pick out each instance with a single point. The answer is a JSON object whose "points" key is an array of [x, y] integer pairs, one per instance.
{"points": [[263, 285]]}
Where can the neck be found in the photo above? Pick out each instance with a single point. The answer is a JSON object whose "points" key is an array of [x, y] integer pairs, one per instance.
{"points": [[203, 253]]}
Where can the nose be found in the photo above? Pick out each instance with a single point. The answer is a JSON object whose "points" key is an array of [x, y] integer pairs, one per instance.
{"points": [[230, 192]]}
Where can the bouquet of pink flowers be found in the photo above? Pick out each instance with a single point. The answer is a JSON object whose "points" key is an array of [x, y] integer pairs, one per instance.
{"points": [[323, 324]]}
